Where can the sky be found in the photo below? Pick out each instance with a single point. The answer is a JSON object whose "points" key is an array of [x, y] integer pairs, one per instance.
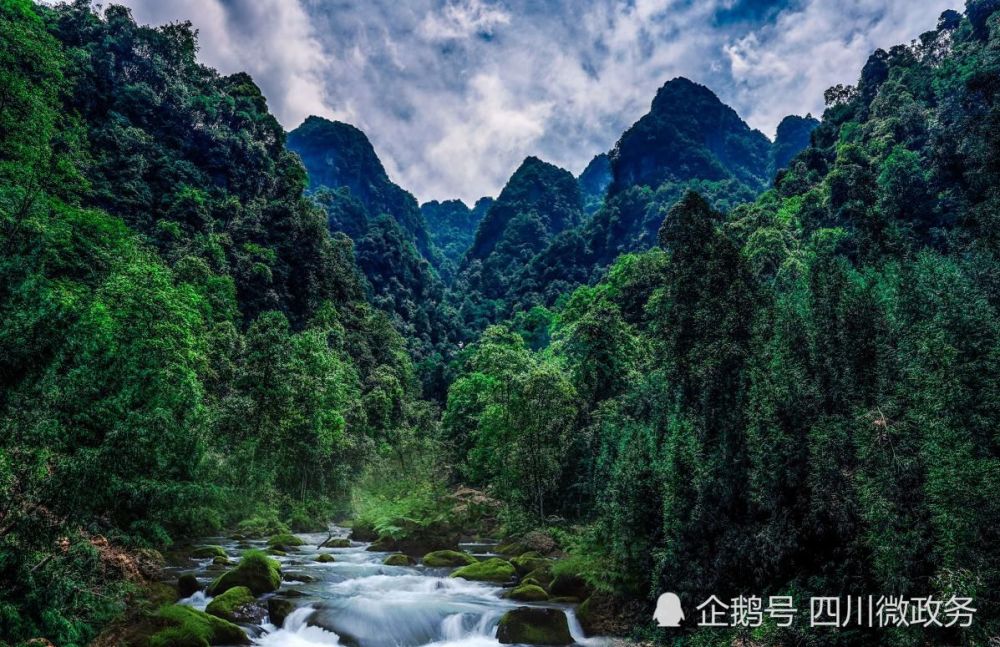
{"points": [[454, 94]]}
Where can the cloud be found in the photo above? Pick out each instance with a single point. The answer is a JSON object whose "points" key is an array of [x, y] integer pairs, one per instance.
{"points": [[463, 20], [454, 94]]}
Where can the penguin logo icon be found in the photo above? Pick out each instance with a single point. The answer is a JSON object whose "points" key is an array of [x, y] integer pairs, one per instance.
{"points": [[668, 611]]}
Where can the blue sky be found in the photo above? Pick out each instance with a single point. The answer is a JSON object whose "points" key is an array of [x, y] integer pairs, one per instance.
{"points": [[455, 93]]}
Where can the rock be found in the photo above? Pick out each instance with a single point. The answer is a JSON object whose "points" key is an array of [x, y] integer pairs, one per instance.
{"points": [[291, 593], [383, 545], [150, 564], [221, 560], [338, 542], [237, 604], [542, 575], [569, 585], [204, 552], [160, 593], [399, 559], [540, 542], [527, 593], [277, 552], [534, 626], [278, 609], [284, 541], [565, 599], [256, 571], [511, 549], [529, 562], [324, 558], [492, 570], [363, 531], [186, 626], [187, 585], [604, 614], [299, 577], [448, 558]]}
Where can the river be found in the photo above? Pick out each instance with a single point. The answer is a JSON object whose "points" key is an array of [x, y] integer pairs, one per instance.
{"points": [[356, 601]]}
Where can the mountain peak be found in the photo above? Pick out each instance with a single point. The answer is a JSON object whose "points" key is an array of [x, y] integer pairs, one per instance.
{"points": [[346, 153]]}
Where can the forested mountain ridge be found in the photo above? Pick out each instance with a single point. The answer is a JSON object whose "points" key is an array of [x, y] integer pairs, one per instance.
{"points": [[688, 140], [392, 244], [797, 397], [452, 226]]}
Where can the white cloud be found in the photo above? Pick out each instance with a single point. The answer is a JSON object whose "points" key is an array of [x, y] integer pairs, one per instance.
{"points": [[463, 19]]}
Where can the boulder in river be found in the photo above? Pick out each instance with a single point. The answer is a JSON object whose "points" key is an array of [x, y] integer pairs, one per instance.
{"points": [[384, 544], [324, 558], [398, 559], [541, 576], [187, 585], [256, 571], [284, 541], [238, 604], [534, 626], [491, 570], [363, 531], [184, 626], [527, 593], [337, 542], [278, 609], [569, 586], [204, 552], [448, 558]]}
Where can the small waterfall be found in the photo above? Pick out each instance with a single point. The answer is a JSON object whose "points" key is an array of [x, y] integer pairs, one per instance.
{"points": [[297, 633], [199, 600]]}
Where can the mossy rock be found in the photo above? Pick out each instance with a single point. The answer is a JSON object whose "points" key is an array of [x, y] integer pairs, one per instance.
{"points": [[565, 599], [257, 527], [542, 575], [204, 552], [511, 549], [363, 531], [228, 605], [534, 626], [284, 540], [160, 593], [187, 585], [399, 559], [278, 609], [324, 558], [220, 560], [525, 592], [188, 627], [491, 570], [277, 552], [569, 585], [384, 544], [448, 558], [338, 542], [529, 562], [256, 571], [298, 577]]}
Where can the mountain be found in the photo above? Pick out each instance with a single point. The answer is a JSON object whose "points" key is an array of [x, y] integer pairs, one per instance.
{"points": [[539, 202], [338, 155], [594, 182], [452, 227], [688, 140], [392, 244], [792, 136], [689, 134]]}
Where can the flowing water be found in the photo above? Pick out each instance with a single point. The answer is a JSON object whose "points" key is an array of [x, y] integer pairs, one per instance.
{"points": [[356, 601]]}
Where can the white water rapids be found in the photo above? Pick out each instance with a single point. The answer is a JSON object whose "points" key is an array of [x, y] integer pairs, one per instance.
{"points": [[356, 601]]}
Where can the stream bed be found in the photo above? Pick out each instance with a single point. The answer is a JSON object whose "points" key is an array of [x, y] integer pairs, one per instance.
{"points": [[356, 601]]}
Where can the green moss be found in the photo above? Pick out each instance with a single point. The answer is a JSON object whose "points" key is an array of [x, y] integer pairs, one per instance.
{"points": [[284, 539], [339, 542], [224, 606], [529, 562], [261, 527], [324, 558], [511, 549], [204, 552], [443, 558], [526, 592], [542, 575], [399, 559], [256, 571], [492, 570], [189, 627]]}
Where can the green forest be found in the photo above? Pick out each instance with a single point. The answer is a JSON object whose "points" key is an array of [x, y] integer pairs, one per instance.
{"points": [[712, 364]]}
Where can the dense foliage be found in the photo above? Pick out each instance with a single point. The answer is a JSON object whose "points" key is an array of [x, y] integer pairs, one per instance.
{"points": [[795, 397], [182, 343]]}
